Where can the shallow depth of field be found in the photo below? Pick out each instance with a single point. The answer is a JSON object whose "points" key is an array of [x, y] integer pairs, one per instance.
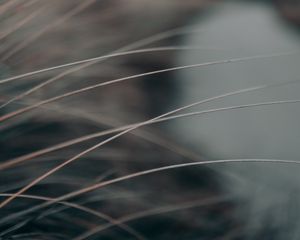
{"points": [[138, 119]]}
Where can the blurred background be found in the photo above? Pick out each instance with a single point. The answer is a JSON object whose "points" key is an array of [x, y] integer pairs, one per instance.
{"points": [[75, 73]]}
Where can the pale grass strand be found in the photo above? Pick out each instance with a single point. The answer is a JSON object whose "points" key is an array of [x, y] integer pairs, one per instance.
{"points": [[53, 170], [98, 214], [143, 173], [118, 80]]}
